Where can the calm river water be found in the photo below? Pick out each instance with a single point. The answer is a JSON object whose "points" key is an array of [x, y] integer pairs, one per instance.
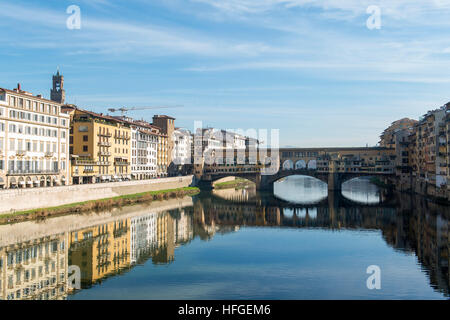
{"points": [[298, 243]]}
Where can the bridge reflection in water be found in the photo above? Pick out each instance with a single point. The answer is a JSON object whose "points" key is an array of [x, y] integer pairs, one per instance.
{"points": [[34, 260]]}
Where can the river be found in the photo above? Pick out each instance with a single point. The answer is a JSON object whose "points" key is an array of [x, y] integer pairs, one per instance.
{"points": [[298, 243]]}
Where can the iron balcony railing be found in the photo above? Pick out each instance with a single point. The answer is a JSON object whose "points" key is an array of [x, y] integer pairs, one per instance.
{"points": [[31, 171], [21, 152], [105, 134], [125, 137]]}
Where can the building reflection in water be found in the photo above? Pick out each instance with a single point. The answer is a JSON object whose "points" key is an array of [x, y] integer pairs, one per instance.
{"points": [[360, 190], [37, 268], [100, 251]]}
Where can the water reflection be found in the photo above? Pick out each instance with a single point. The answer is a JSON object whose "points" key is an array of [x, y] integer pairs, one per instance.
{"points": [[300, 189], [361, 190], [291, 255]]}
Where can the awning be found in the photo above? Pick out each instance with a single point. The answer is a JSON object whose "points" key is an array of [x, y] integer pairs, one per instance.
{"points": [[22, 182], [115, 177], [36, 182], [29, 182], [63, 179]]}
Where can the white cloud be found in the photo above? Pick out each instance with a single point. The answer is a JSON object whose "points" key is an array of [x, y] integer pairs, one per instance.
{"points": [[112, 37], [357, 7]]}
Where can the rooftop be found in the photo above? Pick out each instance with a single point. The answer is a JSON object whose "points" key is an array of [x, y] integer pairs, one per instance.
{"points": [[26, 94]]}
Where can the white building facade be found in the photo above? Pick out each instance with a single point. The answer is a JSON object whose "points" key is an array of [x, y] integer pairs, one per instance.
{"points": [[144, 150], [182, 149], [34, 141]]}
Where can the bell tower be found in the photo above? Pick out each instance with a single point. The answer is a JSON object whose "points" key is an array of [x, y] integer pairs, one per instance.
{"points": [[57, 93]]}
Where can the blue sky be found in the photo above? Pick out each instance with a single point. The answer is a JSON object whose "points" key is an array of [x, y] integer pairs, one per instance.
{"points": [[310, 68]]}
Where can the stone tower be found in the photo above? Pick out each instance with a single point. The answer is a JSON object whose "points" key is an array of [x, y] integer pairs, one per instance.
{"points": [[57, 93], [167, 125]]}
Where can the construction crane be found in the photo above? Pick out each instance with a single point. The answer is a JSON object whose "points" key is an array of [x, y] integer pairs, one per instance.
{"points": [[124, 110]]}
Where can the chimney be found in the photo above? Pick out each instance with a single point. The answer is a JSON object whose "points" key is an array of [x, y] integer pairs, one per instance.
{"points": [[39, 96], [18, 87]]}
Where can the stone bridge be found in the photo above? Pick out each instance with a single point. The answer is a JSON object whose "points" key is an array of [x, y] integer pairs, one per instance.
{"points": [[333, 166]]}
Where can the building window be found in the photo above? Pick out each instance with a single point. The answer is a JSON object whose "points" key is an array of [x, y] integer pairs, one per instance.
{"points": [[85, 148], [85, 138]]}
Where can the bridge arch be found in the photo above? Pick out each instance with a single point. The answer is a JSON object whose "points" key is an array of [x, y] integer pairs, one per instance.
{"points": [[288, 165], [300, 164], [349, 177], [312, 165], [222, 177], [271, 179]]}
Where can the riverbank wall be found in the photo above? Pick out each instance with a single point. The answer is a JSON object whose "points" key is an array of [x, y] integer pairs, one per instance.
{"points": [[27, 199]]}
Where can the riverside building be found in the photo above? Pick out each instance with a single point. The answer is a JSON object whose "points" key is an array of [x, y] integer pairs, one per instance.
{"points": [[165, 142], [144, 148], [34, 141], [100, 147], [182, 152]]}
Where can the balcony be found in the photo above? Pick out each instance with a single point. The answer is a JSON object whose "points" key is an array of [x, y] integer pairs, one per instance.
{"points": [[104, 153], [21, 153], [49, 154], [81, 162], [104, 144], [104, 134], [30, 171], [121, 137]]}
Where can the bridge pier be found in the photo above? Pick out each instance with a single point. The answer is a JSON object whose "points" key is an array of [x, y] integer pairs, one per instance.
{"points": [[265, 183], [206, 185], [334, 181]]}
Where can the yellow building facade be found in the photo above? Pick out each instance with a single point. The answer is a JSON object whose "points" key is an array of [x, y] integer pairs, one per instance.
{"points": [[163, 155], [100, 147]]}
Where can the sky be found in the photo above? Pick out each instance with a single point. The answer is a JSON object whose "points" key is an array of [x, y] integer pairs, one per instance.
{"points": [[311, 68]]}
